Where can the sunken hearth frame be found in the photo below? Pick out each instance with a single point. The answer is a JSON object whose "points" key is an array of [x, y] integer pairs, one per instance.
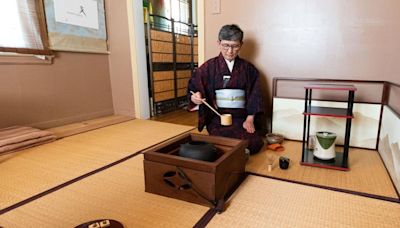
{"points": [[208, 183]]}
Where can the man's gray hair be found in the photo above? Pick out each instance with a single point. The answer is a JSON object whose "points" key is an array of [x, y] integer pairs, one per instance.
{"points": [[230, 32]]}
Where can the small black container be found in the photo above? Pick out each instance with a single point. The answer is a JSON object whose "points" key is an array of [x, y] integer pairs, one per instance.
{"points": [[284, 162], [198, 150]]}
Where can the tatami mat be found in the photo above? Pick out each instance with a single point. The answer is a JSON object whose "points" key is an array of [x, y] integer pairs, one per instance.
{"points": [[115, 193], [29, 172], [264, 202], [367, 172]]}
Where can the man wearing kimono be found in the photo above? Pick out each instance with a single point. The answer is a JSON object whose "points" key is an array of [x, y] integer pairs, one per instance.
{"points": [[231, 84]]}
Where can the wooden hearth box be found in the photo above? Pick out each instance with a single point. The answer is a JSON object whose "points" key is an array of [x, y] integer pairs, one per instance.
{"points": [[206, 183]]}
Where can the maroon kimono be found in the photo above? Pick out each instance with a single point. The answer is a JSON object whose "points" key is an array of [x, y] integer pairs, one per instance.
{"points": [[208, 78]]}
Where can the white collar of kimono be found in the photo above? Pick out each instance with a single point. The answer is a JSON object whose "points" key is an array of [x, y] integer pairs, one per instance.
{"points": [[230, 64]]}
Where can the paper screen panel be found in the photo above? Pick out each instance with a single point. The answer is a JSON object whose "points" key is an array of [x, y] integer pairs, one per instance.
{"points": [[288, 120], [389, 144]]}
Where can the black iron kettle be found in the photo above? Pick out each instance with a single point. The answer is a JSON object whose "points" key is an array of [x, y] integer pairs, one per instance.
{"points": [[198, 150]]}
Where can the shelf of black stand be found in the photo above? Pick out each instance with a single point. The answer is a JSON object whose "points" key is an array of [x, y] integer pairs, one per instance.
{"points": [[340, 162], [336, 163], [327, 111]]}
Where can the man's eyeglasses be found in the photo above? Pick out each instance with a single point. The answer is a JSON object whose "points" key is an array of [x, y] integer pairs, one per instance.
{"points": [[234, 47]]}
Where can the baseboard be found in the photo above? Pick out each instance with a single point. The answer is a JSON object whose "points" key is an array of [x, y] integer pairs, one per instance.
{"points": [[87, 125]]}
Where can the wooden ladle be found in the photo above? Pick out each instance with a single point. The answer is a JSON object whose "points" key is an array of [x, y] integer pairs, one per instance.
{"points": [[226, 119]]}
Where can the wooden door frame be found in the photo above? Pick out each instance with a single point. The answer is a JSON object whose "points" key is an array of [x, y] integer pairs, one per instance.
{"points": [[138, 54]]}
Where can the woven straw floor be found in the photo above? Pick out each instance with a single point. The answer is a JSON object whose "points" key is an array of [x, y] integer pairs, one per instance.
{"points": [[32, 171], [118, 192], [115, 193], [264, 202], [367, 173]]}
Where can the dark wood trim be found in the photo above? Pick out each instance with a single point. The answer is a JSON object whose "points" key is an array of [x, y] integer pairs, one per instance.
{"points": [[274, 86], [378, 197], [203, 222], [26, 51], [274, 89], [43, 25], [385, 93], [302, 99], [384, 101], [325, 80]]}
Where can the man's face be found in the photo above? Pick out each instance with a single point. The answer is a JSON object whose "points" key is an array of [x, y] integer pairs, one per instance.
{"points": [[229, 48]]}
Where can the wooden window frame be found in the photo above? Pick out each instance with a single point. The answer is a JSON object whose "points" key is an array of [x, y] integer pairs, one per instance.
{"points": [[43, 34]]}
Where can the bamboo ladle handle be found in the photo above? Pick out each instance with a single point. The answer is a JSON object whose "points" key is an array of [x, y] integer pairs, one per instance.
{"points": [[204, 102]]}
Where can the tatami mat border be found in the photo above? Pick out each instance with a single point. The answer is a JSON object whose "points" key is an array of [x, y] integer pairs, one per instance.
{"points": [[209, 215], [206, 218], [389, 199]]}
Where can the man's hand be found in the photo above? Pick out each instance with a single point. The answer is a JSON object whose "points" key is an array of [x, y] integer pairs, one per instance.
{"points": [[196, 98], [248, 124]]}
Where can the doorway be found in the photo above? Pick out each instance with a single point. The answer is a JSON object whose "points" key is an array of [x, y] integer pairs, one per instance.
{"points": [[172, 52]]}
